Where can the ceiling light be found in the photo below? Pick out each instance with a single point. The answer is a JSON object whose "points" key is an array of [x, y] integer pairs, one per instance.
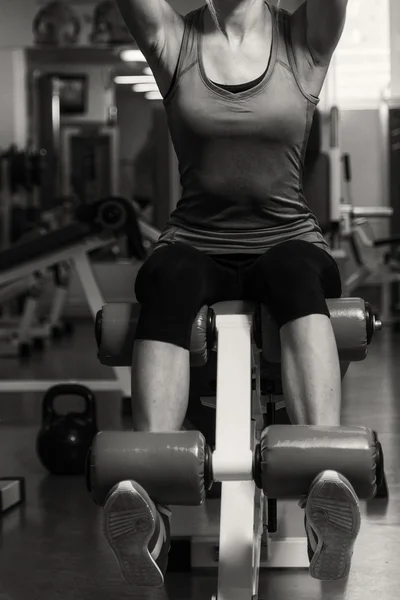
{"points": [[132, 79], [145, 87], [132, 56], [153, 96]]}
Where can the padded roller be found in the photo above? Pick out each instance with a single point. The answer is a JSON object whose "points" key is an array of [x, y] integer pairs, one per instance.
{"points": [[174, 468], [203, 337], [352, 324], [352, 320], [116, 327], [293, 455]]}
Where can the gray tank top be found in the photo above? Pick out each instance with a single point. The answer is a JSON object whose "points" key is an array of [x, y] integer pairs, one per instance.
{"points": [[240, 153]]}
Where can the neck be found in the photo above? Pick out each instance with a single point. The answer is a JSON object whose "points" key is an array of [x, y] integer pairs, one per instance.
{"points": [[236, 18]]}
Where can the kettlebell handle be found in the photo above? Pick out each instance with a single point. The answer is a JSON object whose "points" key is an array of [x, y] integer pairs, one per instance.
{"points": [[69, 389]]}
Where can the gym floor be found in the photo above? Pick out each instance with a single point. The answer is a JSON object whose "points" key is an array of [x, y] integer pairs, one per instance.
{"points": [[52, 547]]}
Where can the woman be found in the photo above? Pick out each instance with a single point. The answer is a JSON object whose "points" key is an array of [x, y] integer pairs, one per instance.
{"points": [[240, 81]]}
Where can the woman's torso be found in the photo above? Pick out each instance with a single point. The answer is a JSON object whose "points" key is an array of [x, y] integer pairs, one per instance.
{"points": [[241, 153]]}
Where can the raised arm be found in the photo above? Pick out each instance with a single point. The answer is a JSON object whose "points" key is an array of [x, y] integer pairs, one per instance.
{"points": [[147, 19], [157, 29], [324, 22]]}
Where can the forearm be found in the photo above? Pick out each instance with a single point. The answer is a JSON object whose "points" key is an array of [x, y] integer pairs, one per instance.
{"points": [[143, 18]]}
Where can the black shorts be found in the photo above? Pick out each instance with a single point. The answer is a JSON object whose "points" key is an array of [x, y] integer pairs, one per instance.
{"points": [[293, 279]]}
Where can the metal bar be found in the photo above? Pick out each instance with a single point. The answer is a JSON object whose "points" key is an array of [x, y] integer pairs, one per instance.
{"points": [[233, 458], [36, 385], [46, 261], [96, 302]]}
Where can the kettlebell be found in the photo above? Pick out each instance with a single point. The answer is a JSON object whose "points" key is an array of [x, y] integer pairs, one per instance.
{"points": [[64, 440]]}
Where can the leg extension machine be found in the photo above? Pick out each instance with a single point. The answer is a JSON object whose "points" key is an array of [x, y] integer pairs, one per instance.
{"points": [[257, 463]]}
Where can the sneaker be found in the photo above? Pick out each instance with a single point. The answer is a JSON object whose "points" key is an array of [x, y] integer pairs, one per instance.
{"points": [[138, 533], [332, 521]]}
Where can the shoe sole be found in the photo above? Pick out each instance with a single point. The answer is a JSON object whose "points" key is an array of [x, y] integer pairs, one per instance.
{"points": [[129, 524], [333, 511]]}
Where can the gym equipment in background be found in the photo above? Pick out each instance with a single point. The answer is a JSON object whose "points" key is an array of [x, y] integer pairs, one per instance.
{"points": [[371, 266], [80, 159], [389, 274], [19, 334], [108, 25], [390, 124], [383, 267], [22, 327], [64, 440], [88, 156], [31, 329], [73, 245], [56, 24], [355, 221], [263, 467], [327, 176], [20, 181], [12, 492]]}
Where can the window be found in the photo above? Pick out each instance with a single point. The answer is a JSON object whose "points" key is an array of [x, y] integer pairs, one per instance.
{"points": [[360, 70]]}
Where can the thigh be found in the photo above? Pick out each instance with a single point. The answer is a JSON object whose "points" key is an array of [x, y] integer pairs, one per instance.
{"points": [[172, 286], [182, 273], [291, 262], [294, 279]]}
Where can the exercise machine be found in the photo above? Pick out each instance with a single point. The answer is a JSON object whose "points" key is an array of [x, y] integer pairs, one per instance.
{"points": [[30, 330], [370, 264], [258, 462], [327, 185], [24, 329], [98, 227]]}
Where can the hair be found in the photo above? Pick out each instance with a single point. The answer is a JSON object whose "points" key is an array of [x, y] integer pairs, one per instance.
{"points": [[213, 12]]}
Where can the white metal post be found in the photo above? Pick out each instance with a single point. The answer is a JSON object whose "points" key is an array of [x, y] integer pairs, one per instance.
{"points": [[237, 554], [27, 319], [233, 458], [96, 302]]}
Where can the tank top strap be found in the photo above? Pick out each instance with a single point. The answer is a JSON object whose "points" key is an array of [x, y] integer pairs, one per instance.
{"points": [[188, 56]]}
